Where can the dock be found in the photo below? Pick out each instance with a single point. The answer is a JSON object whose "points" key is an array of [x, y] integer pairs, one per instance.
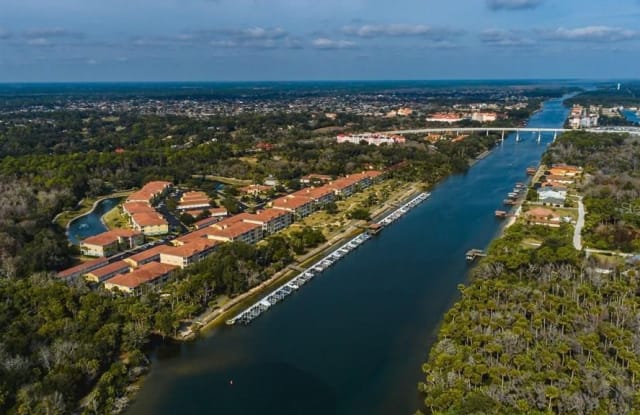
{"points": [[472, 254], [306, 275]]}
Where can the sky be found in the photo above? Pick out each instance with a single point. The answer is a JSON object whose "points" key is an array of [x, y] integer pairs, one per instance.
{"points": [[255, 40]]}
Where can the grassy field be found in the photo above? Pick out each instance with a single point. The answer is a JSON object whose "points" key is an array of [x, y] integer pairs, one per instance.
{"points": [[115, 219], [225, 180]]}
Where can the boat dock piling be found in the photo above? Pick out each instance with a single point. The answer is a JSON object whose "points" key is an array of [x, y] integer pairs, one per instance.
{"points": [[262, 305]]}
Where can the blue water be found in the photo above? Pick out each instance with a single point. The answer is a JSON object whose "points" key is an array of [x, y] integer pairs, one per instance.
{"points": [[352, 341], [631, 115], [89, 225]]}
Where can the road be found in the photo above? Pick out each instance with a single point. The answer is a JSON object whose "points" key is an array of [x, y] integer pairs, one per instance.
{"points": [[577, 235]]}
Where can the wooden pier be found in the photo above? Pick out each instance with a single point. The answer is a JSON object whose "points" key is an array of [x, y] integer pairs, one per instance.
{"points": [[472, 254]]}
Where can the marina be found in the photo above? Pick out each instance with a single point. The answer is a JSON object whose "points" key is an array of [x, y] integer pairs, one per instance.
{"points": [[306, 275]]}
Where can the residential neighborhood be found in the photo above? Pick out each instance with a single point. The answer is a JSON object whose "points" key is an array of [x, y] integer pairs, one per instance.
{"points": [[135, 270]]}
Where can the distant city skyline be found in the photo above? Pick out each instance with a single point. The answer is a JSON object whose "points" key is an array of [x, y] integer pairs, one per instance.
{"points": [[254, 40]]}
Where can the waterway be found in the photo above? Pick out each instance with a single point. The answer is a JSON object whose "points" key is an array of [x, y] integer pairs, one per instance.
{"points": [[352, 341], [631, 115], [91, 223]]}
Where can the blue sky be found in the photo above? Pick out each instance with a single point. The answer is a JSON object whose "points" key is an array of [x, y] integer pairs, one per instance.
{"points": [[225, 40]]}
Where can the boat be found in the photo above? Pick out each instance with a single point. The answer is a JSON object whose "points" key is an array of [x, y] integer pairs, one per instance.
{"points": [[501, 214], [531, 171], [509, 202]]}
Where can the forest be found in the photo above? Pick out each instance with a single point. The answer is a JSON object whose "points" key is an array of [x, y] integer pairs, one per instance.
{"points": [[542, 329], [610, 96]]}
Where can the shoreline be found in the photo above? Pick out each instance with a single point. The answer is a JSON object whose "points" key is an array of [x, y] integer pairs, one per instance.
{"points": [[95, 204], [212, 319], [321, 264]]}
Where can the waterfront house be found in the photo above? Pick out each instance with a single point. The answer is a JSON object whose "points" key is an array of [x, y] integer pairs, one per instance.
{"points": [[111, 270], [320, 195], [543, 217], [147, 277], [346, 186], [299, 206], [552, 195], [564, 170], [271, 220], [239, 231]]}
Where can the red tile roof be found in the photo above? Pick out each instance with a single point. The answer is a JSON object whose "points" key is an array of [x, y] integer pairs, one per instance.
{"points": [[148, 253], [80, 268], [190, 249], [232, 231], [109, 269], [148, 219], [110, 237], [268, 215], [315, 192], [291, 202], [137, 207], [146, 273]]}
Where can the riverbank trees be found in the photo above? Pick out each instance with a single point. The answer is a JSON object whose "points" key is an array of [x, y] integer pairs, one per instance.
{"points": [[539, 334], [541, 329]]}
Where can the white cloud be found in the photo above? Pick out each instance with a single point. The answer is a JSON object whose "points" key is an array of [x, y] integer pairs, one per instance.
{"points": [[591, 34], [505, 38], [399, 30], [326, 43]]}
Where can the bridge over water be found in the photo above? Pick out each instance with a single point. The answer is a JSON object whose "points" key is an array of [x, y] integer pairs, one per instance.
{"points": [[517, 130]]}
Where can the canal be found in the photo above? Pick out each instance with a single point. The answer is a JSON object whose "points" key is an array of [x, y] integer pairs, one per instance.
{"points": [[91, 223], [352, 341]]}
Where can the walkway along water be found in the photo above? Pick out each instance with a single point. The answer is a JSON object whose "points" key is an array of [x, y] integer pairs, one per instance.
{"points": [[246, 316], [354, 340]]}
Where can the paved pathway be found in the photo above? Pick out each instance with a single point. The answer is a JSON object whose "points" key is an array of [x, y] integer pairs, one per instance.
{"points": [[577, 235]]}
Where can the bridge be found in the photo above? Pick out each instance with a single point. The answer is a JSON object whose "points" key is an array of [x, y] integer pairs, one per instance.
{"points": [[517, 130]]}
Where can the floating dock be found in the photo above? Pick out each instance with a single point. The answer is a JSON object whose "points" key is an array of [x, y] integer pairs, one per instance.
{"points": [[306, 275]]}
